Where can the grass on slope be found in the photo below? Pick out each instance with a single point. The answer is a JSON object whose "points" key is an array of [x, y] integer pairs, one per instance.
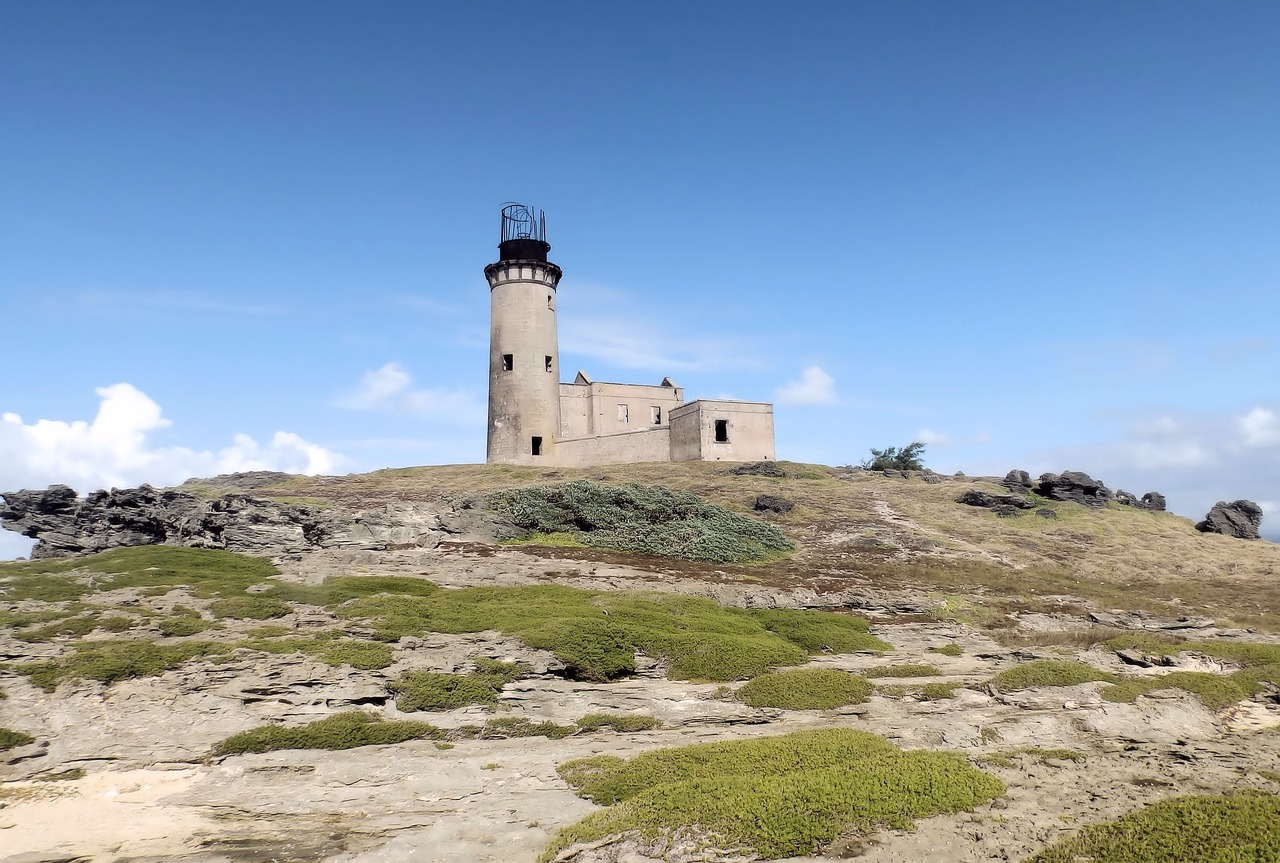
{"points": [[427, 690], [1239, 828], [776, 796], [644, 519], [597, 634], [1048, 672], [10, 739]]}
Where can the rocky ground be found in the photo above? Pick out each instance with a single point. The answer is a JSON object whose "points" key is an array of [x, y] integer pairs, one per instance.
{"points": [[123, 773], [149, 792]]}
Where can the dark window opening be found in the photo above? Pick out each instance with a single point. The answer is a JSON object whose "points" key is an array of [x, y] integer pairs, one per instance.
{"points": [[548, 363], [722, 431], [508, 362], [550, 302], [537, 445]]}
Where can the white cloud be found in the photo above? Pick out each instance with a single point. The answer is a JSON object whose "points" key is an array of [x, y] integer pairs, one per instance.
{"points": [[1260, 427], [116, 449], [390, 388], [932, 438], [815, 387]]}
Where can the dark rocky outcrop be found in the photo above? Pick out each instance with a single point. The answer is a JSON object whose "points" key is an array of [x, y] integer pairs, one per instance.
{"points": [[67, 525], [1073, 486], [759, 468], [773, 503], [976, 497], [1017, 481], [1240, 518]]}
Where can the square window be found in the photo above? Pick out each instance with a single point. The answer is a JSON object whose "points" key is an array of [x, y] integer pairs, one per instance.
{"points": [[722, 431], [624, 415], [508, 362], [537, 445]]}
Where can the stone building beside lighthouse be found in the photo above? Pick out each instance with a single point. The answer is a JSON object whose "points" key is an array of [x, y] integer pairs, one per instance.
{"points": [[536, 419]]}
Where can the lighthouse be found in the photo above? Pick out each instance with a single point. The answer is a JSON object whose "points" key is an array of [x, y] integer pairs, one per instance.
{"points": [[524, 362]]}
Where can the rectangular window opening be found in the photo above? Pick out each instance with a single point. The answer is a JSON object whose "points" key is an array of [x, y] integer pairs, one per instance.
{"points": [[624, 416], [508, 362], [548, 359], [722, 431], [655, 415], [537, 445]]}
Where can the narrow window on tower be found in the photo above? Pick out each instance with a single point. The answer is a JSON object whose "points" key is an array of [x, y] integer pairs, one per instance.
{"points": [[655, 415], [623, 414], [537, 445], [548, 363], [550, 301], [722, 431], [508, 362]]}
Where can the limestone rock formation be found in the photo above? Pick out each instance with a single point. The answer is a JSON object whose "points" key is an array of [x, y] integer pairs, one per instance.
{"points": [[1240, 518]]}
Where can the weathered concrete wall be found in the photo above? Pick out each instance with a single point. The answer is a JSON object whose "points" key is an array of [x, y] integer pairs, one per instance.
{"points": [[748, 428], [524, 400], [595, 408], [653, 444]]}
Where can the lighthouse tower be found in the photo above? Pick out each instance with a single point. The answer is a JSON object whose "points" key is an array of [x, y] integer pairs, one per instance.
{"points": [[524, 362]]}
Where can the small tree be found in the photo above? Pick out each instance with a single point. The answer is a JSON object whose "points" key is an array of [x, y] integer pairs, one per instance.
{"points": [[910, 457]]}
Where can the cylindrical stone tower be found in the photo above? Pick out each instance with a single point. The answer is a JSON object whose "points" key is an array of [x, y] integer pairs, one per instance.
{"points": [[524, 361]]}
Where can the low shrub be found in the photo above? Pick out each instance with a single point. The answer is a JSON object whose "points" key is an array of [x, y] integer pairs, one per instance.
{"points": [[621, 722], [771, 797], [111, 661], [507, 727], [818, 631], [1048, 672], [805, 689], [10, 739], [183, 625], [1247, 654], [427, 690], [938, 691], [948, 650], [645, 519], [1213, 690], [255, 607], [328, 647], [340, 731], [904, 670], [1237, 828]]}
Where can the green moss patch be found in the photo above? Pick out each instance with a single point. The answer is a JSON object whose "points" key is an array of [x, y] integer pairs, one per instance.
{"points": [[645, 519], [805, 689], [903, 670], [775, 796], [340, 731], [1048, 672], [1247, 654], [10, 739], [621, 722], [1240, 828], [426, 690], [182, 625], [250, 607], [1213, 690], [937, 691], [330, 648], [111, 661], [596, 635]]}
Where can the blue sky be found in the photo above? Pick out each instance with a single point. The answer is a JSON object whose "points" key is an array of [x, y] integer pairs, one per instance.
{"points": [[252, 235]]}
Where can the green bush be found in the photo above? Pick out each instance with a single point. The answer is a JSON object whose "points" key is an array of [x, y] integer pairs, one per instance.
{"points": [[903, 670], [427, 690], [805, 689], [74, 627], [818, 631], [506, 727], [772, 797], [340, 731], [1248, 654], [182, 625], [328, 647], [910, 457], [10, 739], [948, 650], [1048, 672], [256, 607], [1238, 828], [938, 691], [644, 519], [621, 722], [1214, 691]]}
